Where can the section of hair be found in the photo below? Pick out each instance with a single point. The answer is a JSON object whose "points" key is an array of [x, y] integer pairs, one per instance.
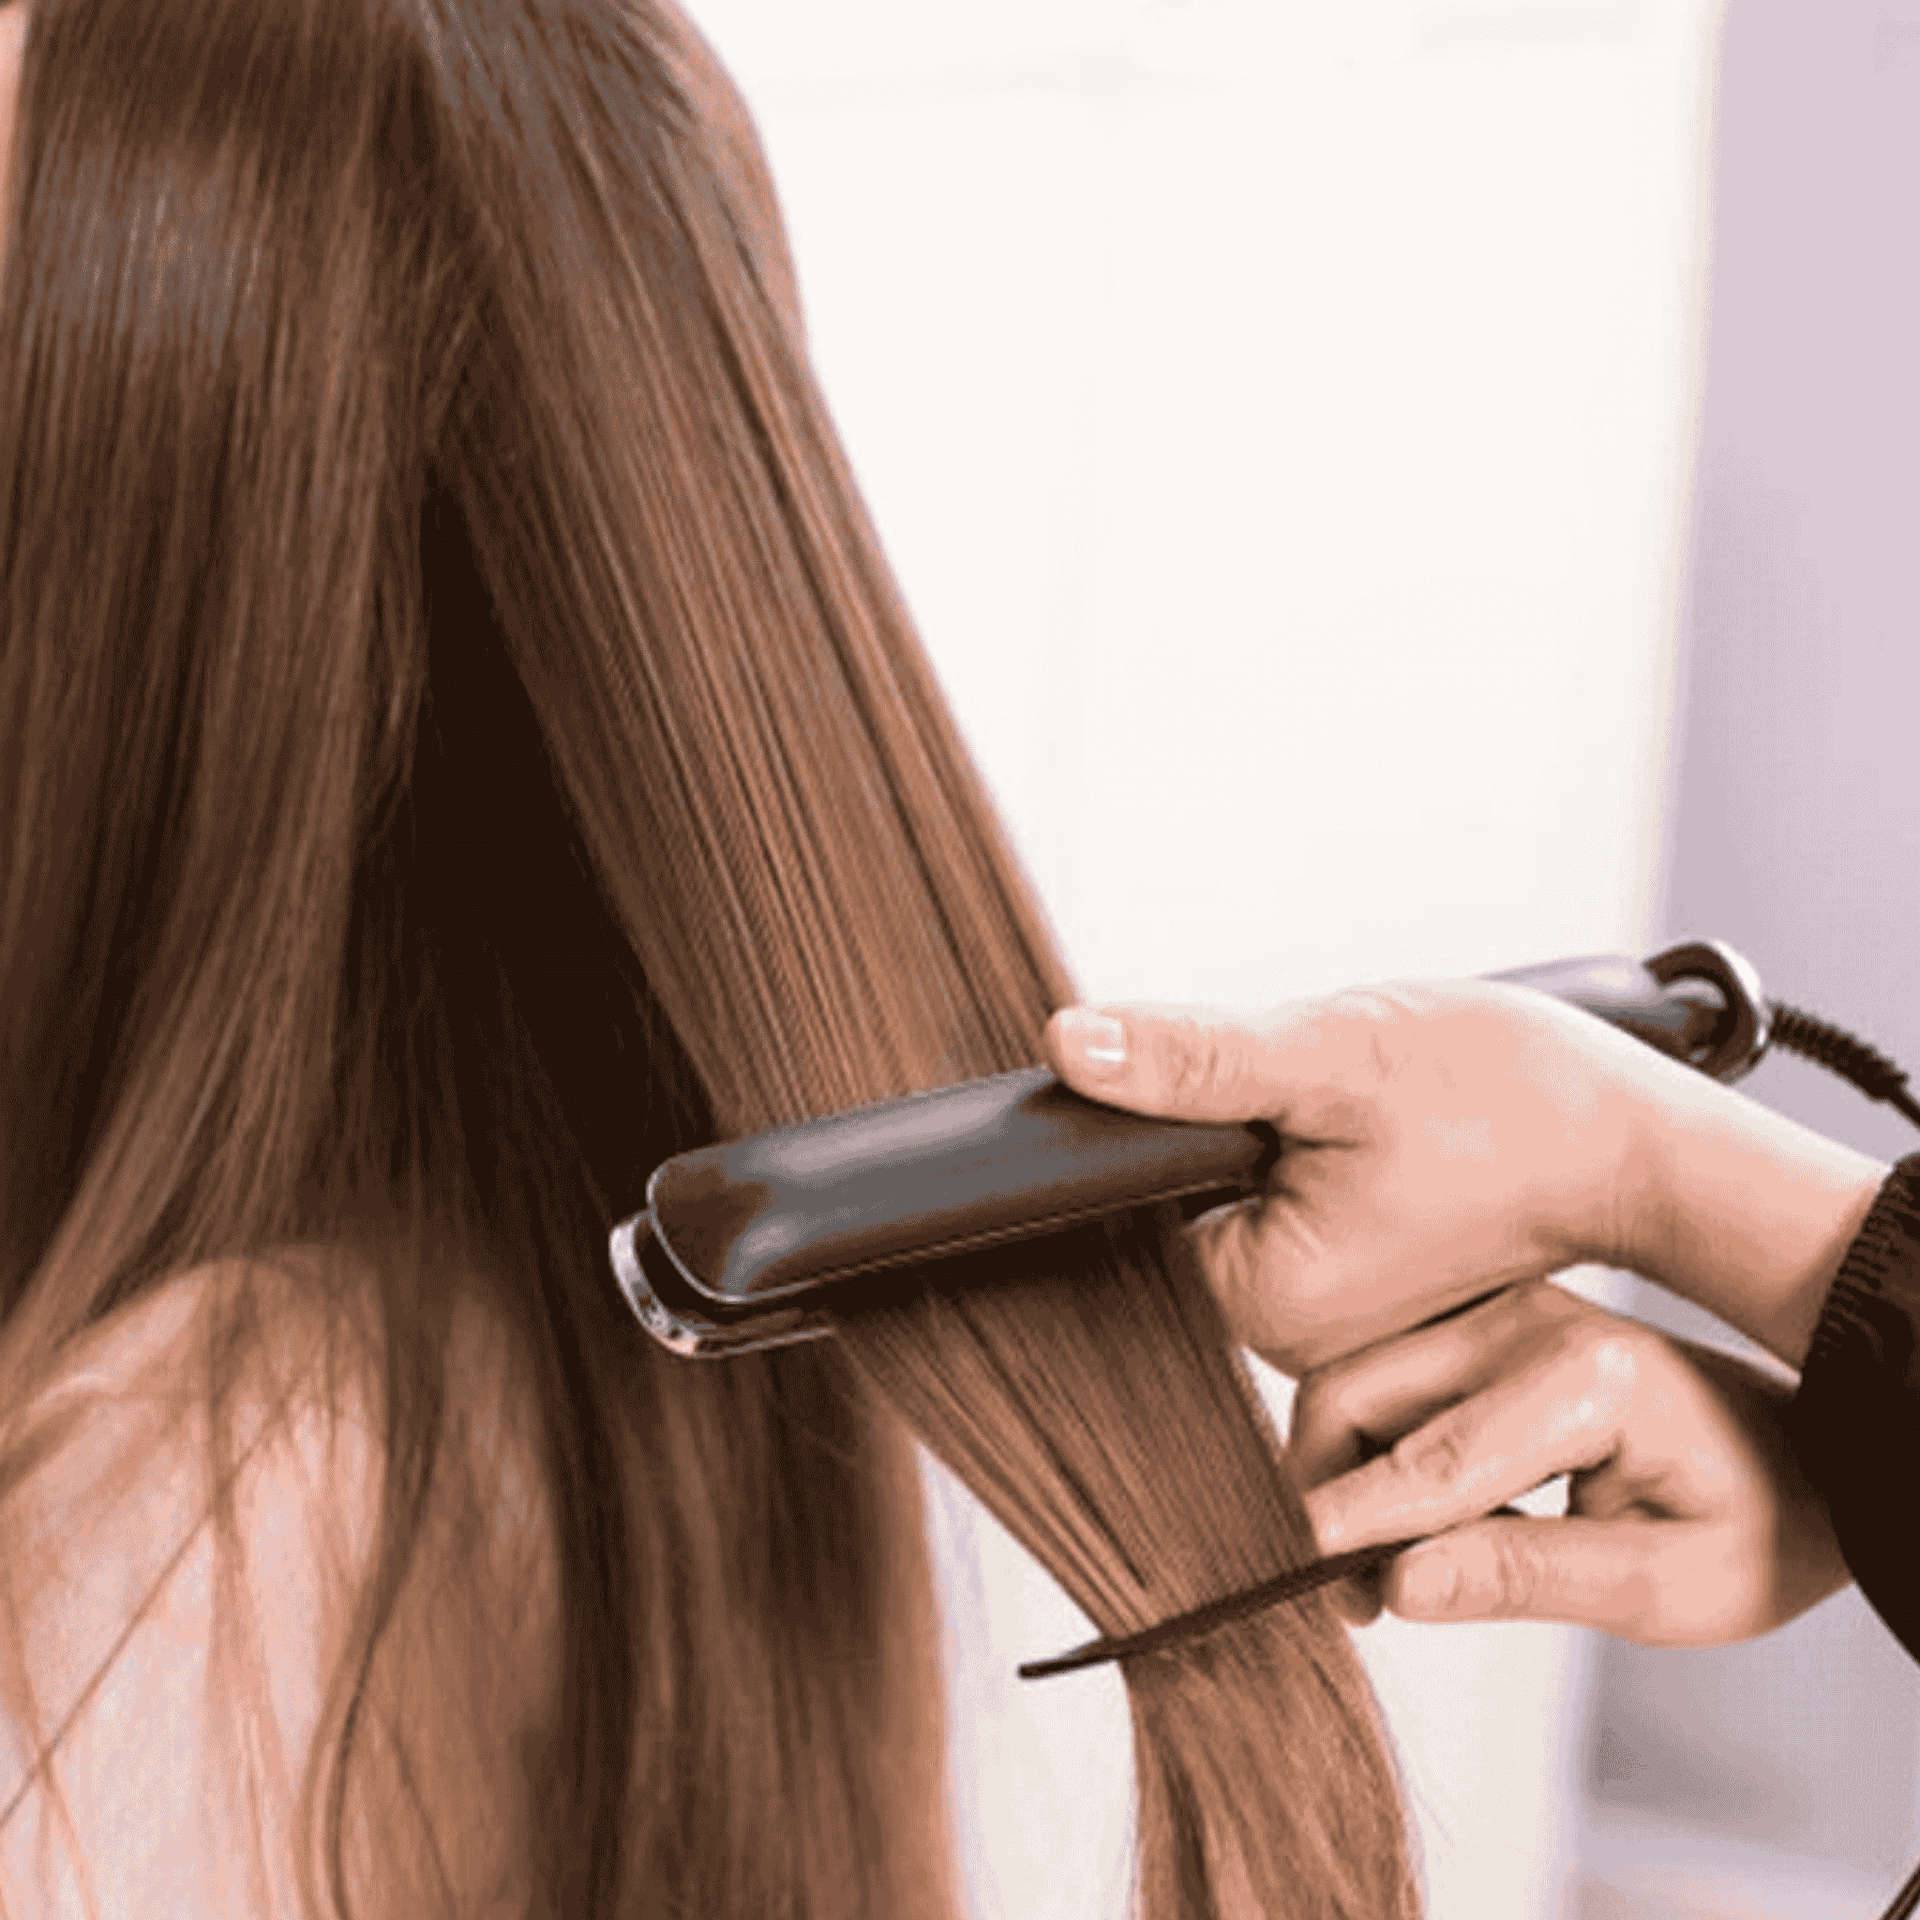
{"points": [[1087, 1390], [460, 743]]}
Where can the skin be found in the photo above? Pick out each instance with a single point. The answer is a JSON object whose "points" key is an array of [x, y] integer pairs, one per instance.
{"points": [[1449, 1146], [1689, 1522]]}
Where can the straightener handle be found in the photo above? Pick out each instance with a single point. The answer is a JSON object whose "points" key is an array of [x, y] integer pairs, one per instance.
{"points": [[1700, 1002]]}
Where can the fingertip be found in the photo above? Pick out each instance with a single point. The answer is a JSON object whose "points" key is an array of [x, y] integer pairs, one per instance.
{"points": [[1423, 1586], [1328, 1532], [1087, 1046]]}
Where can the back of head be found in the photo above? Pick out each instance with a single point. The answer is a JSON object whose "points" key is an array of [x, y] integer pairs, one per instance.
{"points": [[460, 743]]}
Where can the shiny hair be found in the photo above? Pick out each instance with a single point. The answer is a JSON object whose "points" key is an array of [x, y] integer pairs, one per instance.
{"points": [[460, 744]]}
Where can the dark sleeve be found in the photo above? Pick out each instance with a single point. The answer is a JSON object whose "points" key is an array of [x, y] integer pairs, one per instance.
{"points": [[1855, 1422]]}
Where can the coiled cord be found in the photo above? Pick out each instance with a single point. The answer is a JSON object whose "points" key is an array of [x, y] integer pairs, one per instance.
{"points": [[1843, 1053]]}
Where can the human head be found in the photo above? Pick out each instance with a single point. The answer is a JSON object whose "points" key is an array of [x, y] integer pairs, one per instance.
{"points": [[460, 742]]}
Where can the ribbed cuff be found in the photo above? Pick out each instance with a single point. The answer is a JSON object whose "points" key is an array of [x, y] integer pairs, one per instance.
{"points": [[1867, 1327], [1855, 1422]]}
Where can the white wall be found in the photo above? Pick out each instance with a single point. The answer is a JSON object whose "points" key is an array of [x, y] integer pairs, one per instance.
{"points": [[1280, 418]]}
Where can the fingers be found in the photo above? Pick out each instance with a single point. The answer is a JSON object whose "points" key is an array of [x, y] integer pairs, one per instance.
{"points": [[1184, 1062], [1346, 1413], [1515, 1413], [1596, 1573], [1356, 1408]]}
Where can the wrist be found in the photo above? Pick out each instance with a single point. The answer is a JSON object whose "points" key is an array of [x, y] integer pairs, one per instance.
{"points": [[1747, 1213]]}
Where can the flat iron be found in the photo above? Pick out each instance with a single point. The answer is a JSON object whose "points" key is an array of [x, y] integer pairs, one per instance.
{"points": [[764, 1242]]}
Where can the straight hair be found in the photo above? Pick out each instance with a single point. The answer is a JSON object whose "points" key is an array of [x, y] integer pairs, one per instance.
{"points": [[461, 744]]}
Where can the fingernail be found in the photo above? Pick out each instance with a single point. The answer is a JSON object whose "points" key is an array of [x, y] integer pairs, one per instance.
{"points": [[1097, 1038]]}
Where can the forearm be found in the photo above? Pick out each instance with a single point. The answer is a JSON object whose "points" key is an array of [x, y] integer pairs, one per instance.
{"points": [[1749, 1214]]}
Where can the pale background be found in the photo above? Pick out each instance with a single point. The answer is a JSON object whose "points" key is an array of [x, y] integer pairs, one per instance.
{"points": [[1410, 487]]}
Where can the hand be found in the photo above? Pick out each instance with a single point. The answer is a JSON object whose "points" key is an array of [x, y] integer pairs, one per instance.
{"points": [[1441, 1141], [1689, 1523]]}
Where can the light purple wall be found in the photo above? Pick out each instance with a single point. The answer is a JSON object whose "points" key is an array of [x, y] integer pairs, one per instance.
{"points": [[1794, 829]]}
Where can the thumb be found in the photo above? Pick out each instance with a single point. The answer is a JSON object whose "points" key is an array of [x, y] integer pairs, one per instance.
{"points": [[1595, 1573], [1168, 1062]]}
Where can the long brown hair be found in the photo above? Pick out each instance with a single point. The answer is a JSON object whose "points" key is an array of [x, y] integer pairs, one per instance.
{"points": [[460, 743]]}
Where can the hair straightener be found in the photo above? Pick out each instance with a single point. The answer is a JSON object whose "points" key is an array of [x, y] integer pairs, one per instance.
{"points": [[761, 1242], [767, 1241]]}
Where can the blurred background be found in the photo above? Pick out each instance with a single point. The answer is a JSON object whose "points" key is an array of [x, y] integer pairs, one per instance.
{"points": [[1412, 487]]}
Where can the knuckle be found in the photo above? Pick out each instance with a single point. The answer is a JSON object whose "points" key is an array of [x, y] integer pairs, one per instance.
{"points": [[1195, 1064], [1434, 1456], [1446, 1592], [1611, 1359], [1615, 1346], [1380, 1057], [1514, 1572], [1366, 1019], [1592, 1372], [1616, 1358]]}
